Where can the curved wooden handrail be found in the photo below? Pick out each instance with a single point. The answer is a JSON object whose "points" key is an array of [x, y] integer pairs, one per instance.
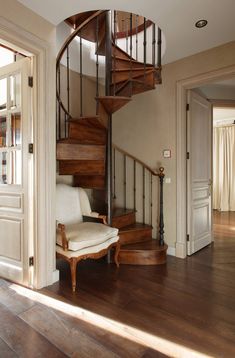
{"points": [[137, 161], [73, 34], [64, 47]]}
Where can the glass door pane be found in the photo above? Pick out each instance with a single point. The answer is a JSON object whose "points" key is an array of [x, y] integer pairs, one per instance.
{"points": [[15, 95], [3, 94], [3, 167], [3, 131], [15, 129]]}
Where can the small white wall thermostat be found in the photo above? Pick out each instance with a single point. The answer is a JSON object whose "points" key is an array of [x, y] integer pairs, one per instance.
{"points": [[166, 153]]}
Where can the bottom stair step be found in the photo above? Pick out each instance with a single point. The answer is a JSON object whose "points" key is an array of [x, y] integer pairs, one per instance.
{"points": [[145, 253], [135, 233]]}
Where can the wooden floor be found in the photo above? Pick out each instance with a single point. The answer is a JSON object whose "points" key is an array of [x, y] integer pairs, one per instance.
{"points": [[183, 309]]}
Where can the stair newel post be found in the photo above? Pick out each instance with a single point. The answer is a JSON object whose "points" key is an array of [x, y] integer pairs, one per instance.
{"points": [[108, 74], [136, 38], [97, 65], [153, 44], [81, 77], [145, 50], [159, 48], [161, 176]]}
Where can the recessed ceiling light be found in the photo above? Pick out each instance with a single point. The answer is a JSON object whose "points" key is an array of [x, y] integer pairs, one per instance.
{"points": [[201, 23]]}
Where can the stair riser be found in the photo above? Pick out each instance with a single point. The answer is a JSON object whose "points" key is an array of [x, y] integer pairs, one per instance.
{"points": [[124, 220], [116, 51], [127, 64], [125, 75], [145, 257], [89, 182], [83, 167], [135, 236], [86, 135], [67, 151]]}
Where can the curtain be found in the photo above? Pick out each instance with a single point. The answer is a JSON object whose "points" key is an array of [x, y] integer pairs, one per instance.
{"points": [[224, 168]]}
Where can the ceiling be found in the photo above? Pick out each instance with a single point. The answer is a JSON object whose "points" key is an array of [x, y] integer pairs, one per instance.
{"points": [[222, 90], [176, 18]]}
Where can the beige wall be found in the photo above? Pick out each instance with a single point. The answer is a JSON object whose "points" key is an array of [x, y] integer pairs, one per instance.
{"points": [[18, 14], [147, 125]]}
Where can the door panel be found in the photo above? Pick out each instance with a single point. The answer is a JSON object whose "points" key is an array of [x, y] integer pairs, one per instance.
{"points": [[15, 164], [199, 173]]}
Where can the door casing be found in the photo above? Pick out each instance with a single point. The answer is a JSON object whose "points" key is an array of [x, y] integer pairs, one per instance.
{"points": [[181, 186]]}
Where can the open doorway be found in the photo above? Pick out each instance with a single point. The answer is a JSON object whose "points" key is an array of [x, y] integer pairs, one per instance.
{"points": [[221, 96]]}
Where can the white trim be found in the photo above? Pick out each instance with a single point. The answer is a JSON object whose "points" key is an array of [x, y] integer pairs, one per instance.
{"points": [[181, 89], [44, 144], [171, 251]]}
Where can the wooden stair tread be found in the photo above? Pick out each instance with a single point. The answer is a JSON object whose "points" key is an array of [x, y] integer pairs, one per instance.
{"points": [[134, 76], [113, 103], [121, 212], [92, 121], [133, 70], [135, 227]]}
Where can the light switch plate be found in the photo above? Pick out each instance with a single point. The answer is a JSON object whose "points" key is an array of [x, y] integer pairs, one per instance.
{"points": [[167, 153]]}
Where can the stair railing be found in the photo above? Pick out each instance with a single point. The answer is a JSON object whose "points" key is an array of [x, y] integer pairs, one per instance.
{"points": [[64, 113], [135, 186]]}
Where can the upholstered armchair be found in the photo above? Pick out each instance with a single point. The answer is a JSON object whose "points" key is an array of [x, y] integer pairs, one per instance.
{"points": [[81, 233]]}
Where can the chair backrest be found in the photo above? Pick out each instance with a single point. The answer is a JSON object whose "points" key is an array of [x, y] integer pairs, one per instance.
{"points": [[68, 208], [71, 204]]}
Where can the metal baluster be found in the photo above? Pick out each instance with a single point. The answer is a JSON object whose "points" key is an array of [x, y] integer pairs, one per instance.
{"points": [[59, 108], [159, 49], [151, 199], [161, 220], [153, 44], [145, 53], [126, 35], [68, 93], [114, 173], [108, 67], [131, 64], [134, 185], [143, 195], [97, 65], [136, 40], [115, 42], [81, 78], [124, 182]]}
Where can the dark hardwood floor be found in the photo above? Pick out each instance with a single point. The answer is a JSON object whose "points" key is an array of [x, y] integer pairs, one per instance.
{"points": [[183, 309]]}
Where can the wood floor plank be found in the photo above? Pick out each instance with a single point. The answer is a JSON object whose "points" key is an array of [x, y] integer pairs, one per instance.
{"points": [[190, 302], [49, 323], [6, 351], [15, 303], [22, 339]]}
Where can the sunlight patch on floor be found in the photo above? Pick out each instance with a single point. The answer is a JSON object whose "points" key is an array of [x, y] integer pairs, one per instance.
{"points": [[136, 335]]}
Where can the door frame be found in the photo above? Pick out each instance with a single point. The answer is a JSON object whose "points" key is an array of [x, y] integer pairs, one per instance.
{"points": [[182, 86], [44, 147]]}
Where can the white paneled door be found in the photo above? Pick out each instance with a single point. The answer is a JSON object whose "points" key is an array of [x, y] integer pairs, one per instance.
{"points": [[16, 173], [199, 173]]}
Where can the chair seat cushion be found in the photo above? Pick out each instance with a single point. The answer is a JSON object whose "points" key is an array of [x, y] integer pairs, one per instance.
{"points": [[87, 250], [86, 234]]}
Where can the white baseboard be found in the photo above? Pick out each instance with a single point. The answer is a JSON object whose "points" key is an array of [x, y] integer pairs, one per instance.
{"points": [[55, 276], [171, 251]]}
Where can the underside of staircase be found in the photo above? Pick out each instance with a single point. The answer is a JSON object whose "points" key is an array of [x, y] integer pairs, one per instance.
{"points": [[82, 153]]}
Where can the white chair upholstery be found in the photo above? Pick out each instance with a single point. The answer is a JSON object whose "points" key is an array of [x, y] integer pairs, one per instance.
{"points": [[76, 239]]}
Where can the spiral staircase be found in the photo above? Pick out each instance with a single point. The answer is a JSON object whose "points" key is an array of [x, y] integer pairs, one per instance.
{"points": [[84, 144]]}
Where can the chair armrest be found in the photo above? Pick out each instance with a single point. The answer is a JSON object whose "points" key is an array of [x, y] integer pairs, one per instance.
{"points": [[93, 219], [61, 228]]}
